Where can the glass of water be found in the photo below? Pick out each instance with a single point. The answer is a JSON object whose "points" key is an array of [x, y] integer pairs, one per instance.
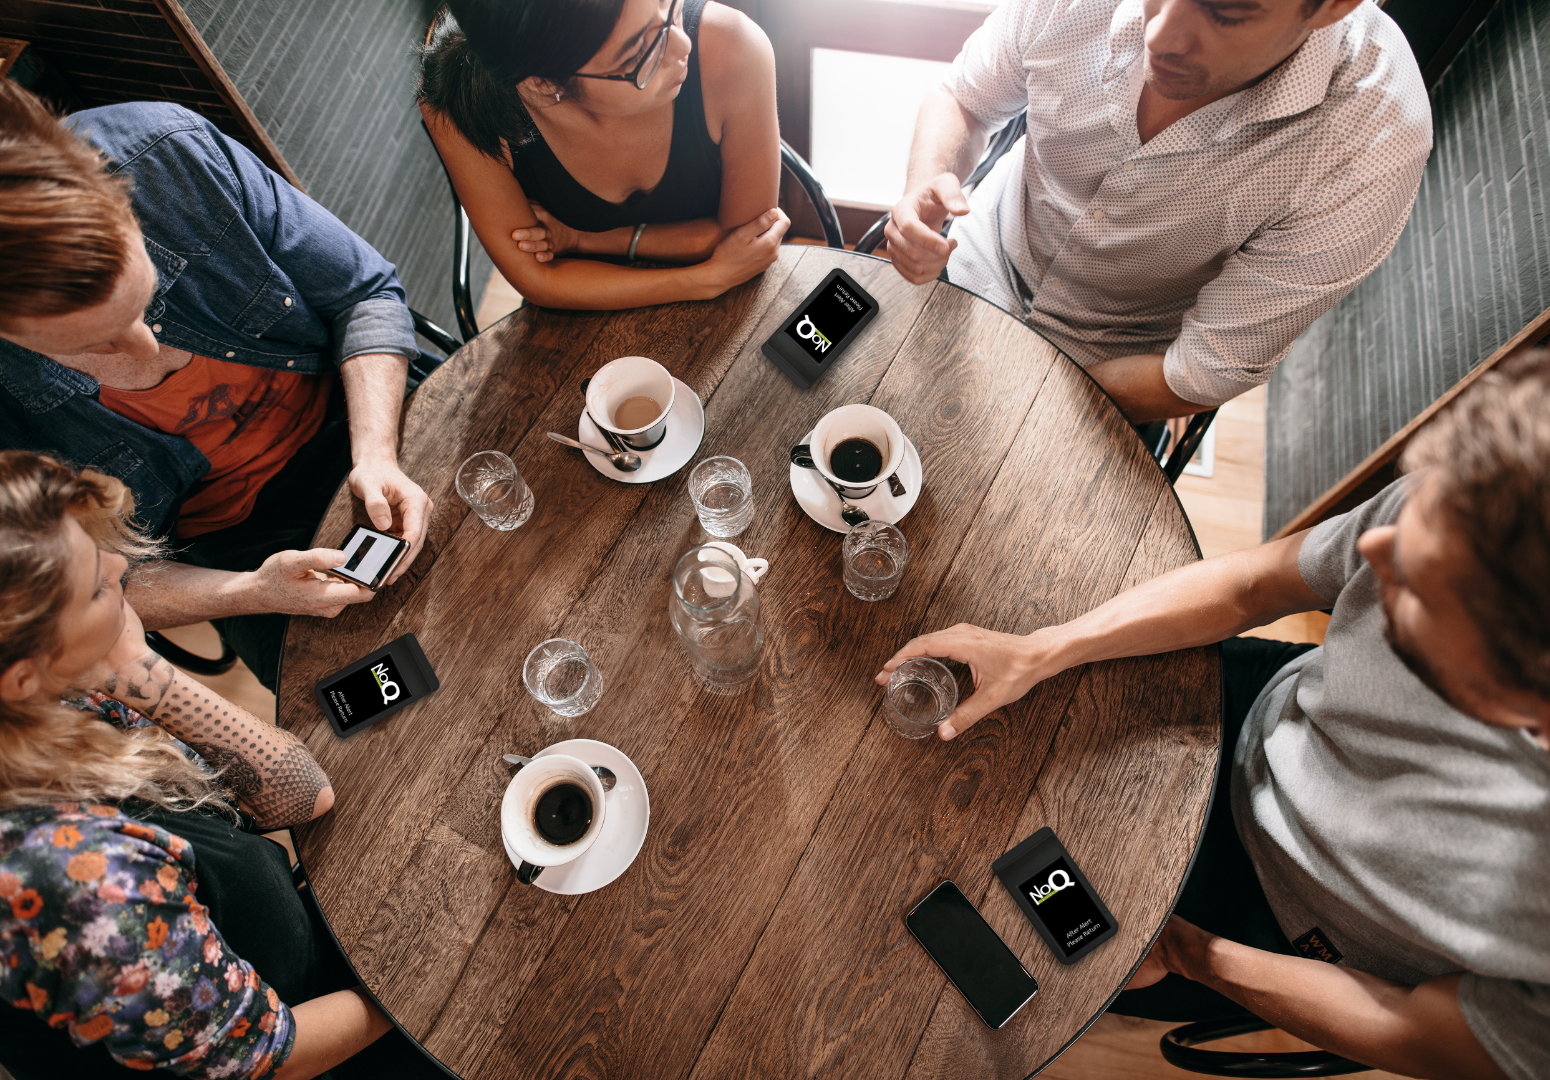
{"points": [[561, 675], [874, 554], [921, 694], [722, 490], [490, 484]]}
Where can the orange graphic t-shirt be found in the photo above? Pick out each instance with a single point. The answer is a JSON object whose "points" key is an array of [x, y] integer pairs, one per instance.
{"points": [[248, 421]]}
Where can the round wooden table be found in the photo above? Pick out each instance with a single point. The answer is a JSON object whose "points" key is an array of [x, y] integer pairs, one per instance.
{"points": [[760, 931]]}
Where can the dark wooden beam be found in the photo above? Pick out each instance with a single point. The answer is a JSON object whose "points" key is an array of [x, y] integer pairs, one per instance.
{"points": [[1378, 469], [263, 145]]}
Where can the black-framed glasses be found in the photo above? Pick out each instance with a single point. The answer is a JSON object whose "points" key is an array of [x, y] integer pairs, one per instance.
{"points": [[650, 61]]}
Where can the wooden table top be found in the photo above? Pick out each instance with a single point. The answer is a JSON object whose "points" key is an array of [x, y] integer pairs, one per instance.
{"points": [[760, 931]]}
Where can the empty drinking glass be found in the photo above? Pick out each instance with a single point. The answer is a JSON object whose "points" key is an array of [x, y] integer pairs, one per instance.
{"points": [[722, 491], [490, 484], [561, 675], [921, 694], [874, 554]]}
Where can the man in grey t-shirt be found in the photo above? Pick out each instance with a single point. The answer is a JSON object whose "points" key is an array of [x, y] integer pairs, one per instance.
{"points": [[1375, 873]]}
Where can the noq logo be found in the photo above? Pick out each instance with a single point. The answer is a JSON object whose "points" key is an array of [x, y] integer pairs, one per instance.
{"points": [[1043, 892], [384, 683], [812, 334]]}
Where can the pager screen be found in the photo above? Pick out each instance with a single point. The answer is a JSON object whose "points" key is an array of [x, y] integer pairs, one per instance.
{"points": [[1067, 910], [826, 319], [360, 695]]}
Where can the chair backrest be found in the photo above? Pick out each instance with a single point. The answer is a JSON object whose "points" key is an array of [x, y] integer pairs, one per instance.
{"points": [[803, 172]]}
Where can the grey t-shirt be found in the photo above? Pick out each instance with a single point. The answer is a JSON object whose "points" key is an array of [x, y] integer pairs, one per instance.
{"points": [[1412, 839]]}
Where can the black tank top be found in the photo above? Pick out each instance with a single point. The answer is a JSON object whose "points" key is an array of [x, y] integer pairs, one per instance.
{"points": [[690, 187]]}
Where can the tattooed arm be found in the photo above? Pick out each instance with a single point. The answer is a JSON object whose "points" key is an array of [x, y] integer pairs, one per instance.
{"points": [[274, 775]]}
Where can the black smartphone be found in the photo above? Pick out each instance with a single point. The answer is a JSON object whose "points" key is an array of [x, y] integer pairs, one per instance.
{"points": [[971, 954], [821, 327], [369, 557], [376, 686], [1056, 896]]}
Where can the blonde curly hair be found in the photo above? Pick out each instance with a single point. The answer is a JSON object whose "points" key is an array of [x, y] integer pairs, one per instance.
{"points": [[50, 752]]}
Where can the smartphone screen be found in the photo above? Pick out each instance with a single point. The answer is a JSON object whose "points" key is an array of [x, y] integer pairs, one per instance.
{"points": [[369, 556], [971, 954]]}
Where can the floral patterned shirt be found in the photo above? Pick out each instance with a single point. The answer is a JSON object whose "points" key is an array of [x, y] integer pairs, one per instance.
{"points": [[101, 934]]}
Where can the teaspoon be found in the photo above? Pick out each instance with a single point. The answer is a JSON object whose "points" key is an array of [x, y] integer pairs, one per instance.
{"points": [[624, 462], [605, 775]]}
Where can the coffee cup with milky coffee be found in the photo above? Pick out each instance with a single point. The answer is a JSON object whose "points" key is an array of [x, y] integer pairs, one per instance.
{"points": [[857, 447], [631, 397]]}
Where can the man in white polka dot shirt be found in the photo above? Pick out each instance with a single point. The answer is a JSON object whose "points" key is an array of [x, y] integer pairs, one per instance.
{"points": [[1200, 181]]}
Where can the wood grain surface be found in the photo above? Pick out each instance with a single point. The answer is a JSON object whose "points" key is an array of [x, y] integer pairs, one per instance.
{"points": [[760, 931]]}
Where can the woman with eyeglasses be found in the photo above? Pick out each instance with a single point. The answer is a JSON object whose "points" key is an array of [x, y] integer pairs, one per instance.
{"points": [[585, 136]]}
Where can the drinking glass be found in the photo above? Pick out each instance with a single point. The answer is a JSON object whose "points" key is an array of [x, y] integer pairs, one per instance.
{"points": [[874, 554], [715, 610], [490, 484], [921, 694], [722, 490], [561, 675]]}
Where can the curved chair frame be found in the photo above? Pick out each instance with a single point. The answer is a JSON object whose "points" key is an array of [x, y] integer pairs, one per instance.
{"points": [[1180, 1049], [832, 234]]}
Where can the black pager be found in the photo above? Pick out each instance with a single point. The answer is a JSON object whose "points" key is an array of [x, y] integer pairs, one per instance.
{"points": [[814, 335], [377, 686], [369, 557], [1056, 896]]}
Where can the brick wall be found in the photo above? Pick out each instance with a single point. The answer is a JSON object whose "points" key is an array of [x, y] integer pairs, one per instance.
{"points": [[1471, 269]]}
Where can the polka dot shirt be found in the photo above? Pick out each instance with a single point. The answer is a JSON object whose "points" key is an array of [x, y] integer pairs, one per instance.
{"points": [[1223, 238]]}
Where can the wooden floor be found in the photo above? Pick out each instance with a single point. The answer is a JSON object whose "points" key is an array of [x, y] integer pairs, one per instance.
{"points": [[1225, 511]]}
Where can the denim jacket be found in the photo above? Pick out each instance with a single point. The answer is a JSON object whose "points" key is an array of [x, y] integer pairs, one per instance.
{"points": [[249, 270]]}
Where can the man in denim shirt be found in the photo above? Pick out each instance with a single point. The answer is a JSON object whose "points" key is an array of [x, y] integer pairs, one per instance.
{"points": [[180, 317]]}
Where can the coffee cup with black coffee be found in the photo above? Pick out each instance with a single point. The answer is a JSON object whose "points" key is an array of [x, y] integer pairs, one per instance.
{"points": [[855, 447], [552, 813], [631, 398]]}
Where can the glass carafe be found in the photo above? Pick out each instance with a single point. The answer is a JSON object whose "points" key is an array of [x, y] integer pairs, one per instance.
{"points": [[715, 610]]}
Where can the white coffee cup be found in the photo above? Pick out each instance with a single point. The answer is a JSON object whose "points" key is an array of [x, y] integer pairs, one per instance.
{"points": [[718, 582], [858, 422], [615, 383], [521, 800]]}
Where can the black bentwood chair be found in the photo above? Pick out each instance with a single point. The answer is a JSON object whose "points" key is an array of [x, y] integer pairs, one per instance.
{"points": [[1156, 435], [1180, 1048]]}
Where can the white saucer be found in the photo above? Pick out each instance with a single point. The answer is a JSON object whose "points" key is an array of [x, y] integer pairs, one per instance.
{"points": [[624, 823], [685, 432], [820, 502]]}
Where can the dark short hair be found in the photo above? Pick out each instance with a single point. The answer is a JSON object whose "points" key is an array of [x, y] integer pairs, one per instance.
{"points": [[477, 52], [65, 222], [1490, 451]]}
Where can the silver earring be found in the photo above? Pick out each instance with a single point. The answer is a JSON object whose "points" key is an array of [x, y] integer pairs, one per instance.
{"points": [[557, 97]]}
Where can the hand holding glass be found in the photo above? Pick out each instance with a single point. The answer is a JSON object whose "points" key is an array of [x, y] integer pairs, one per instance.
{"points": [[921, 694]]}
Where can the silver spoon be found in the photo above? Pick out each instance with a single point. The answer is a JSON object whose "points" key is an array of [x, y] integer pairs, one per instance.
{"points": [[605, 775], [625, 462], [850, 513]]}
